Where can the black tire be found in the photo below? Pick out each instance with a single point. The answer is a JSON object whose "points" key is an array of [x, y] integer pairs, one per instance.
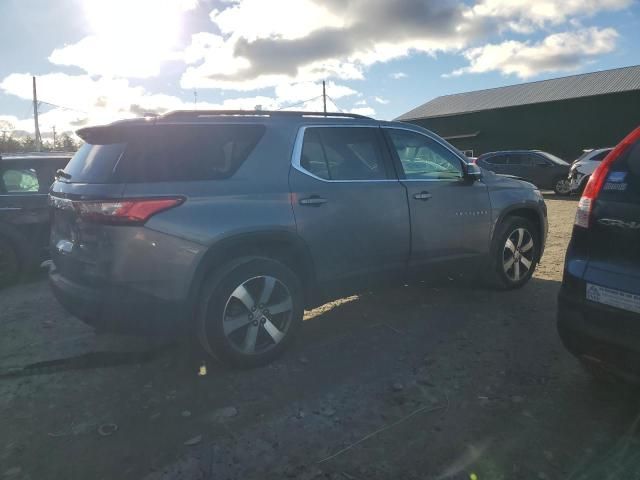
{"points": [[506, 279], [217, 300], [562, 186], [9, 263]]}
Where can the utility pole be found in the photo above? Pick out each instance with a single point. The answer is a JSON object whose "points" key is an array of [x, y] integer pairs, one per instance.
{"points": [[35, 117], [54, 137], [324, 97], [195, 98]]}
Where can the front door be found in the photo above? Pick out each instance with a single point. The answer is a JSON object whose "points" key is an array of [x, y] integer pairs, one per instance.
{"points": [[349, 208], [450, 216]]}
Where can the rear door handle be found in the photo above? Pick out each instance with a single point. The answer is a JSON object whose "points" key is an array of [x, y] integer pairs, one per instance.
{"points": [[313, 201], [424, 196]]}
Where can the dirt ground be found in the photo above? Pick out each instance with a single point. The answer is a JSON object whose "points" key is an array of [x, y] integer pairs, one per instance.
{"points": [[414, 383]]}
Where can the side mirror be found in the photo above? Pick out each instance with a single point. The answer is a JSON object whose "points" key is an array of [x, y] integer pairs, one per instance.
{"points": [[473, 172]]}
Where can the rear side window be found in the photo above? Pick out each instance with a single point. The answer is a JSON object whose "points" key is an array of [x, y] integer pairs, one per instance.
{"points": [[188, 153], [496, 160], [20, 180], [343, 153], [166, 153]]}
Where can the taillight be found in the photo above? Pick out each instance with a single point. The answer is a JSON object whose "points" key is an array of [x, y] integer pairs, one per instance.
{"points": [[598, 178], [124, 212]]}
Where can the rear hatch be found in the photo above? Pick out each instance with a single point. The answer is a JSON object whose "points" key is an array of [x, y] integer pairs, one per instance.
{"points": [[613, 239], [123, 175], [80, 249]]}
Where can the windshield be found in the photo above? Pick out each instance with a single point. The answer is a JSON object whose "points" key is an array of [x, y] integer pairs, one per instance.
{"points": [[553, 158]]}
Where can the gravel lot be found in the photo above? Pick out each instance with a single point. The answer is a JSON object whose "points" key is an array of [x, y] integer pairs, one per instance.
{"points": [[413, 382]]}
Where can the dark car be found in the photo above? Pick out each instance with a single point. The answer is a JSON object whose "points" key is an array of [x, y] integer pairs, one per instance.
{"points": [[599, 302], [544, 170], [24, 216], [230, 224]]}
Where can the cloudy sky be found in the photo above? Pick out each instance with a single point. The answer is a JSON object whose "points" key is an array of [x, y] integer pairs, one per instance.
{"points": [[99, 60]]}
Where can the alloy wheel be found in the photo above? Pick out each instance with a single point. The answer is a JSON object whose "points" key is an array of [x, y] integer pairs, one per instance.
{"points": [[563, 186], [518, 254], [257, 315]]}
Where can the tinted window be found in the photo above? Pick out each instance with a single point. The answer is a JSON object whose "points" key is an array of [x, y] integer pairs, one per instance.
{"points": [[313, 158], [343, 153], [424, 158], [623, 181], [538, 160], [600, 156], [166, 153], [496, 160], [20, 180], [94, 163], [187, 153], [518, 159]]}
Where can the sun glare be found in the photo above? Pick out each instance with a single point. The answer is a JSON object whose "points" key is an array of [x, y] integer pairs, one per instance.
{"points": [[140, 33]]}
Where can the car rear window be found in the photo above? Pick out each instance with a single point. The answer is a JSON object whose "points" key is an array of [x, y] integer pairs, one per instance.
{"points": [[166, 153], [623, 180], [93, 163]]}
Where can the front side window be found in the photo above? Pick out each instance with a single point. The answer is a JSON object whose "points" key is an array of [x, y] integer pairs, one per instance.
{"points": [[343, 153], [422, 158], [538, 160], [17, 180]]}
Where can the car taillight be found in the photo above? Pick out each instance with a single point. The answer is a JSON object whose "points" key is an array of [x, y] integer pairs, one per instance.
{"points": [[598, 178], [124, 212]]}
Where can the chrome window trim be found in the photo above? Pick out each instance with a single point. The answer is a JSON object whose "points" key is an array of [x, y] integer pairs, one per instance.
{"points": [[23, 194], [297, 154], [454, 153]]}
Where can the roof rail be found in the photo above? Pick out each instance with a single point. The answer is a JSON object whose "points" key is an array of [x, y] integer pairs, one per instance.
{"points": [[186, 114]]}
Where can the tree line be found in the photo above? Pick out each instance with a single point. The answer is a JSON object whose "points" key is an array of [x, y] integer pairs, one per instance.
{"points": [[11, 144]]}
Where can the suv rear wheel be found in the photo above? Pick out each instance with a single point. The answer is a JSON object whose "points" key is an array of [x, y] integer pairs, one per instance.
{"points": [[250, 311], [516, 252]]}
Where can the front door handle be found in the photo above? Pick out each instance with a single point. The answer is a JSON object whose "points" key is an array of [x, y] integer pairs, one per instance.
{"points": [[313, 201], [424, 196]]}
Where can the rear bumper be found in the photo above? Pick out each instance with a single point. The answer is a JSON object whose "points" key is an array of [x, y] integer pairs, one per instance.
{"points": [[599, 334], [118, 309]]}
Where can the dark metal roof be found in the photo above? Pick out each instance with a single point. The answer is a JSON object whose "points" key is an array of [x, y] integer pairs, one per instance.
{"points": [[564, 88]]}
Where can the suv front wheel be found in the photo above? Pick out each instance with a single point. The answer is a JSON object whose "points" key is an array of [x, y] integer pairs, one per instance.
{"points": [[516, 252], [250, 311]]}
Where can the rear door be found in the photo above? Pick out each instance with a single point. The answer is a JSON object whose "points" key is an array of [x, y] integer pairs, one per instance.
{"points": [[450, 216], [24, 185], [349, 207], [543, 171], [614, 238]]}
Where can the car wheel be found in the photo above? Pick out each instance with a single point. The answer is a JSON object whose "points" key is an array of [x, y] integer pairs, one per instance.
{"points": [[516, 252], [9, 263], [562, 186], [250, 311]]}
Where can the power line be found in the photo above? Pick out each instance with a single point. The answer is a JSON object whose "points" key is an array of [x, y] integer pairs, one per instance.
{"points": [[299, 103], [334, 104], [62, 107]]}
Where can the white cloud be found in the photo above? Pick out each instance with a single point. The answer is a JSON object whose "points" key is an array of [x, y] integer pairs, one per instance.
{"points": [[381, 101], [366, 111], [524, 15], [286, 19], [398, 75], [84, 100], [559, 52]]}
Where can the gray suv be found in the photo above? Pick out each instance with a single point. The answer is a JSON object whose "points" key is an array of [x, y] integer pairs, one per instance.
{"points": [[228, 224]]}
